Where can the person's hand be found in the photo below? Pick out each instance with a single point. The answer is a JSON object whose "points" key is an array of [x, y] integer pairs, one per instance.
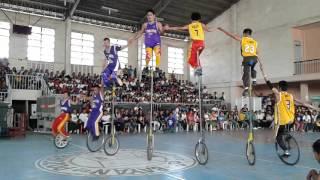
{"points": [[312, 174], [166, 27]]}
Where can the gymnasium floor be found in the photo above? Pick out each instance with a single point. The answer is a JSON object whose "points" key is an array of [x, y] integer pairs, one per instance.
{"points": [[35, 157]]}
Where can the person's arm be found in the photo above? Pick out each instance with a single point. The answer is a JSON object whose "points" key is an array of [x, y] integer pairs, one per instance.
{"points": [[306, 104], [167, 27], [160, 27], [139, 33], [274, 90], [233, 36], [208, 29]]}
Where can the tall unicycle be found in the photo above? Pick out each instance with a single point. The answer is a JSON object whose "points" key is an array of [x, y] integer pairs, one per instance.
{"points": [[201, 150], [250, 151], [111, 144], [150, 136]]}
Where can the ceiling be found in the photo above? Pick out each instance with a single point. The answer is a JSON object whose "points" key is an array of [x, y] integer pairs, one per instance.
{"points": [[129, 12]]}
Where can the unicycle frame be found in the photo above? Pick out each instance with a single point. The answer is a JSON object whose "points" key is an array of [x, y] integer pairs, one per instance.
{"points": [[201, 141], [250, 140], [150, 137], [113, 137]]}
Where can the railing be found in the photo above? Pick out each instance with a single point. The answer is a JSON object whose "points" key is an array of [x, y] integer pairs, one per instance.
{"points": [[25, 82], [307, 66], [45, 88]]}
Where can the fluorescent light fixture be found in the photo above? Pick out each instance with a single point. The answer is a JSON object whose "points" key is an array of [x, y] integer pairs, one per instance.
{"points": [[109, 9]]}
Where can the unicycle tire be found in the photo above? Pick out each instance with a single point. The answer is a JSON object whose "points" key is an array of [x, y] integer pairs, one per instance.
{"points": [[94, 145], [60, 141], [293, 148], [250, 153], [201, 153], [111, 148]]}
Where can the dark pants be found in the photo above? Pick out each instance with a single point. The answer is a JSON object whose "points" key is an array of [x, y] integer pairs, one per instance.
{"points": [[280, 137], [248, 63]]}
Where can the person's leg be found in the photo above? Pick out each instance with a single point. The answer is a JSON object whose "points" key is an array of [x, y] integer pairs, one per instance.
{"points": [[149, 54], [96, 124], [253, 71], [157, 51], [246, 76], [61, 125], [280, 137], [55, 124], [106, 77], [192, 55]]}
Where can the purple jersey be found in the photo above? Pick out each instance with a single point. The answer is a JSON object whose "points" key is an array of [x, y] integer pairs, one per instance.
{"points": [[152, 35], [112, 57], [97, 103], [65, 106]]}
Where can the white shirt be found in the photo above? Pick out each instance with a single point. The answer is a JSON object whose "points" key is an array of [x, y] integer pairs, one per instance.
{"points": [[83, 117], [74, 118], [106, 118]]}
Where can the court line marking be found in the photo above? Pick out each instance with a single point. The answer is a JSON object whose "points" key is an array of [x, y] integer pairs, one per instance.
{"points": [[243, 157], [175, 177]]}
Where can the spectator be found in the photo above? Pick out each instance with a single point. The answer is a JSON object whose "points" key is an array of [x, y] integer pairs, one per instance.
{"points": [[314, 174]]}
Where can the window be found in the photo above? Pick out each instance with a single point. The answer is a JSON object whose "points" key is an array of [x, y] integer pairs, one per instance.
{"points": [[152, 61], [175, 60], [4, 39], [41, 44], [82, 49], [123, 54]]}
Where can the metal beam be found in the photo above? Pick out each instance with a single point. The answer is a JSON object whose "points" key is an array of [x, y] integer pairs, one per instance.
{"points": [[74, 7], [41, 4], [105, 17], [158, 8]]}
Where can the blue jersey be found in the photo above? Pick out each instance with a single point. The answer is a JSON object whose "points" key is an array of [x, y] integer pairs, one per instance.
{"points": [[66, 106], [111, 55], [97, 103]]}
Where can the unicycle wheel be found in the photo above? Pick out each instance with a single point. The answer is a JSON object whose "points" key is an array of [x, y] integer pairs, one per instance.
{"points": [[150, 146], [111, 148], [60, 141], [201, 153], [94, 144], [292, 147], [250, 153]]}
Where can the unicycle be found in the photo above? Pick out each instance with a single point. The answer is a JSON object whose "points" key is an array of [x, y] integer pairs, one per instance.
{"points": [[150, 143], [60, 141], [94, 144], [292, 146], [111, 144], [150, 136], [201, 150], [250, 151]]}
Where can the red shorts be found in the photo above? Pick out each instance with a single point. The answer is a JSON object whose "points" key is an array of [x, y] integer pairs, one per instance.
{"points": [[196, 46], [58, 125]]}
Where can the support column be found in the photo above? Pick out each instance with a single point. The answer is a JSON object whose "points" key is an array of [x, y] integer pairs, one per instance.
{"points": [[67, 64], [304, 92]]}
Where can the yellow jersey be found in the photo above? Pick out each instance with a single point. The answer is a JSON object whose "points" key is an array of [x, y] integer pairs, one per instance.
{"points": [[196, 31], [248, 47], [284, 109]]}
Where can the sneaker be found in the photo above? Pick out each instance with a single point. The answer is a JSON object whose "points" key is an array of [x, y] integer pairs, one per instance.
{"points": [[254, 82], [245, 93], [198, 71], [286, 153]]}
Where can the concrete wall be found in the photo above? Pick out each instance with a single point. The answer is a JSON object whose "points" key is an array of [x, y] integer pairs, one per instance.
{"points": [[18, 43], [272, 22]]}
